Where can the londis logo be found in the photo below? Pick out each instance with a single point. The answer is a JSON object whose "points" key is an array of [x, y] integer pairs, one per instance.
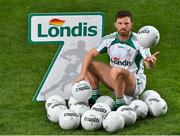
{"points": [[99, 109], [117, 61], [58, 28], [56, 22], [145, 30], [71, 114], [82, 88], [91, 119], [127, 108]]}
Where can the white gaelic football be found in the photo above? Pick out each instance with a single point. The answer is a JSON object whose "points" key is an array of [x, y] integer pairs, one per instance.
{"points": [[54, 111], [101, 108], [80, 108], [128, 114], [156, 106], [81, 91], [150, 94], [107, 100], [128, 99], [68, 120], [91, 120], [140, 108], [148, 36], [113, 122], [54, 99], [73, 101]]}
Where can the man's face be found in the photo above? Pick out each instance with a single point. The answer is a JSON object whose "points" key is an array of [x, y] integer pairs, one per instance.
{"points": [[123, 26]]}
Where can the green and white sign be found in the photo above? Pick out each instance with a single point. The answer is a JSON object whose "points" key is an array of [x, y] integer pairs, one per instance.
{"points": [[76, 33]]}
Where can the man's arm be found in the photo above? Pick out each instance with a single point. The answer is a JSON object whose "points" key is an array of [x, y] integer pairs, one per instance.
{"points": [[151, 61], [86, 62]]}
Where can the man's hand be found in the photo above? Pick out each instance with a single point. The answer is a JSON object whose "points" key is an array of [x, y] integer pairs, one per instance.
{"points": [[151, 60]]}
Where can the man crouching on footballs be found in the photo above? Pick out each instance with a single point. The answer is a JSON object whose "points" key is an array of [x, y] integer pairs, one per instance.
{"points": [[125, 74]]}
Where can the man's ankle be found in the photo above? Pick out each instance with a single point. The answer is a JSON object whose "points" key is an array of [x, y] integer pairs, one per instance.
{"points": [[94, 97], [119, 102]]}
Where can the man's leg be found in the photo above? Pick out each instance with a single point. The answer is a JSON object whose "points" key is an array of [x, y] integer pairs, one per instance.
{"points": [[97, 71], [94, 82], [124, 83], [121, 81]]}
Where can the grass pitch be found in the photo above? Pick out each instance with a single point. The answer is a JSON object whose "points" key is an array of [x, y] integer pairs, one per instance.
{"points": [[22, 66]]}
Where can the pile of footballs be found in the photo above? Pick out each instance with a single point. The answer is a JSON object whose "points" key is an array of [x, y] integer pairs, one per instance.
{"points": [[77, 111]]}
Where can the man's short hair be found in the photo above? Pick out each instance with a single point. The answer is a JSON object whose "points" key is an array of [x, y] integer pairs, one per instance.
{"points": [[123, 13]]}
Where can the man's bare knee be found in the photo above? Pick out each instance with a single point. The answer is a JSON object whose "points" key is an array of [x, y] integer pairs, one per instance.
{"points": [[117, 73]]}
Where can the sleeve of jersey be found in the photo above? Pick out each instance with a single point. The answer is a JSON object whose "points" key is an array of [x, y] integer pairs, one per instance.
{"points": [[102, 46], [145, 52]]}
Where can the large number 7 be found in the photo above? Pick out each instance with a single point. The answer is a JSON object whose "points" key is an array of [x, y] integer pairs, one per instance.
{"points": [[77, 33]]}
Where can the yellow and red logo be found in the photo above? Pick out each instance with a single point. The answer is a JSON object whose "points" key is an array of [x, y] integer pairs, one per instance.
{"points": [[56, 22]]}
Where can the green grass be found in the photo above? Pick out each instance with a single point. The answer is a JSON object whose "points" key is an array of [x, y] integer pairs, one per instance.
{"points": [[22, 66]]}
